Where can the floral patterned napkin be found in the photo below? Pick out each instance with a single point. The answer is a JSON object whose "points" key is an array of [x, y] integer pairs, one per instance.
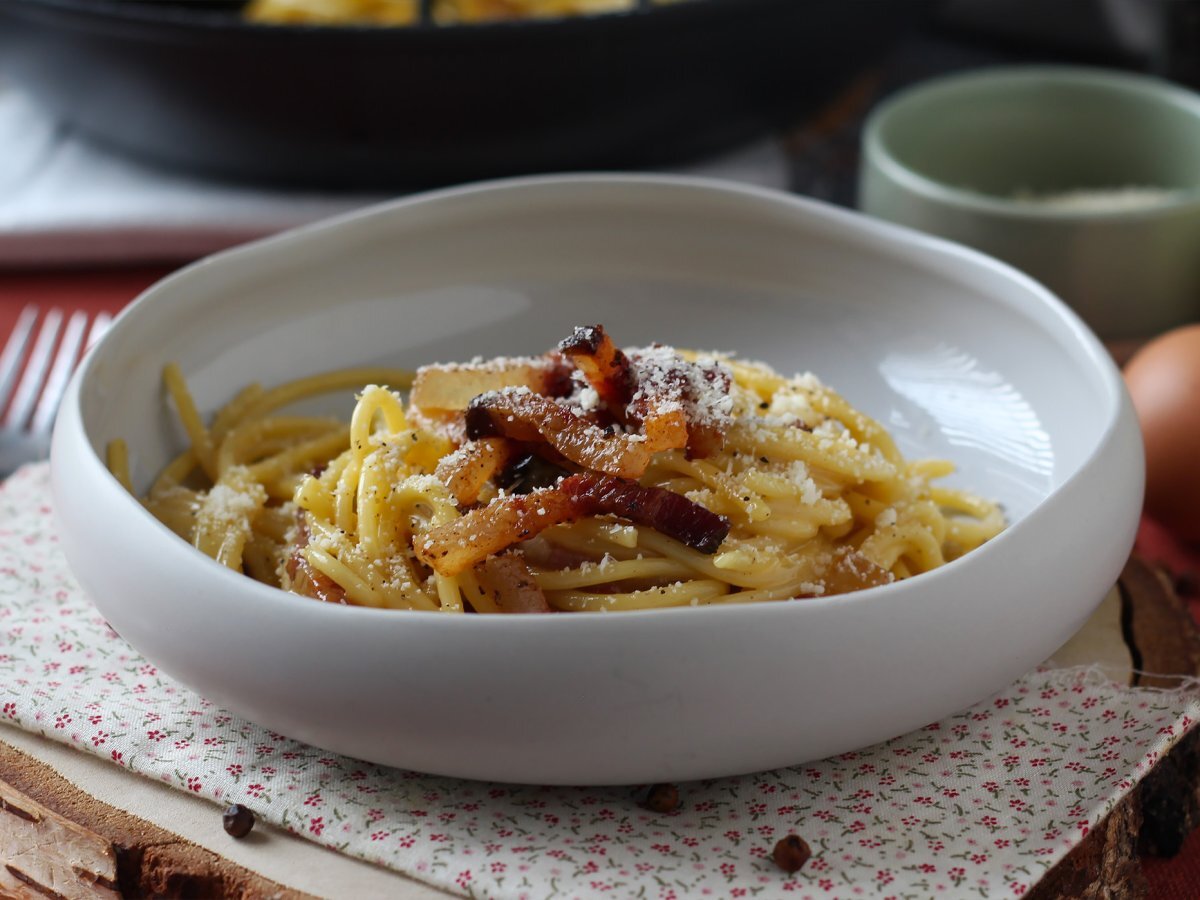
{"points": [[980, 804]]}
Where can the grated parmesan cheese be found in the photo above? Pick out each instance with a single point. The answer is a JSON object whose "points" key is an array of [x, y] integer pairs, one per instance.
{"points": [[670, 383]]}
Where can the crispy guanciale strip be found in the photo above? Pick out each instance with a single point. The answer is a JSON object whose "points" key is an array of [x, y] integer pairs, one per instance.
{"points": [[704, 441], [672, 395], [303, 578], [851, 571], [527, 472], [468, 469], [459, 544], [666, 430], [452, 386], [665, 511], [480, 533], [511, 584], [604, 366], [659, 409], [524, 416]]}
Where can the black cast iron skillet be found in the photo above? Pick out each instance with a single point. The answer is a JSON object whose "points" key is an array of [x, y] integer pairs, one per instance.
{"points": [[192, 85]]}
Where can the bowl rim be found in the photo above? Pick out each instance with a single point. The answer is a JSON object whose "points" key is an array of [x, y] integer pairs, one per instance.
{"points": [[1146, 88], [1036, 299]]}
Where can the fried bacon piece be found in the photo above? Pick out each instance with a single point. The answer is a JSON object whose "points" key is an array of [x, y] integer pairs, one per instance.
{"points": [[665, 511], [666, 430], [528, 472], [524, 416], [466, 471], [457, 545], [851, 571], [604, 366], [452, 386], [511, 584], [303, 578], [704, 441], [673, 395], [665, 400]]}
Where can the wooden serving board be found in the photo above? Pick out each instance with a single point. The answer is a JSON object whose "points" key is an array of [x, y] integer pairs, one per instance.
{"points": [[56, 840]]}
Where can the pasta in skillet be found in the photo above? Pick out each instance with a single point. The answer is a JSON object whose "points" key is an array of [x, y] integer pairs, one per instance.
{"points": [[407, 12]]}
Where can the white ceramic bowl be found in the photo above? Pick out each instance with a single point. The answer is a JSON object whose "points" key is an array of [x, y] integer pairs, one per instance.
{"points": [[960, 356]]}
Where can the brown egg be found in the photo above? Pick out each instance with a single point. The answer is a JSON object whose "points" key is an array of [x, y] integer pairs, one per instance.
{"points": [[1164, 382]]}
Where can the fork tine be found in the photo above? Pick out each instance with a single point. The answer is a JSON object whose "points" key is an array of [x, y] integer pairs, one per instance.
{"points": [[14, 350], [99, 326], [60, 373], [35, 371]]}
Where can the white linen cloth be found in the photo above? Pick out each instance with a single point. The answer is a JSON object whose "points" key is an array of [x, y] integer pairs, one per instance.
{"points": [[65, 201], [981, 804]]}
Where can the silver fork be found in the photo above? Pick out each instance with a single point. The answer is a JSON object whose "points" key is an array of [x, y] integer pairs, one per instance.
{"points": [[34, 372]]}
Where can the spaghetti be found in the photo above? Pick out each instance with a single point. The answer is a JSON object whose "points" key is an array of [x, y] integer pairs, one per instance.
{"points": [[407, 12], [587, 479]]}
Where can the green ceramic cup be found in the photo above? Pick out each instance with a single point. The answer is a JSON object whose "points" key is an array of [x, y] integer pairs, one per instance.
{"points": [[1086, 179]]}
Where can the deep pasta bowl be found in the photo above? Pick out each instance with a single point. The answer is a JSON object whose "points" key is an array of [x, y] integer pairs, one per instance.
{"points": [[959, 356]]}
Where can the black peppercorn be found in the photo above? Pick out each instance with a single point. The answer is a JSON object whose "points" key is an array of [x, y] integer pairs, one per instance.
{"points": [[791, 853], [238, 820], [661, 798]]}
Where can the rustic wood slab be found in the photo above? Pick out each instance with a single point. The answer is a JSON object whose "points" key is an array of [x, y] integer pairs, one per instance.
{"points": [[56, 841], [48, 854]]}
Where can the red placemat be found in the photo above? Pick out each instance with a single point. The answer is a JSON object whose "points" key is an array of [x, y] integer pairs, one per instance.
{"points": [[93, 291], [104, 290]]}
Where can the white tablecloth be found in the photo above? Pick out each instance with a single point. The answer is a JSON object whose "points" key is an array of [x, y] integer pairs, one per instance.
{"points": [[65, 201]]}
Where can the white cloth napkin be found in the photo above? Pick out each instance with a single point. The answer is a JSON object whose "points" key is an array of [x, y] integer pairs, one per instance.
{"points": [[66, 201], [981, 804]]}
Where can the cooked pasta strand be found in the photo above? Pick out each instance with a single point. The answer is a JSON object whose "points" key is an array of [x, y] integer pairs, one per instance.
{"points": [[815, 495]]}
